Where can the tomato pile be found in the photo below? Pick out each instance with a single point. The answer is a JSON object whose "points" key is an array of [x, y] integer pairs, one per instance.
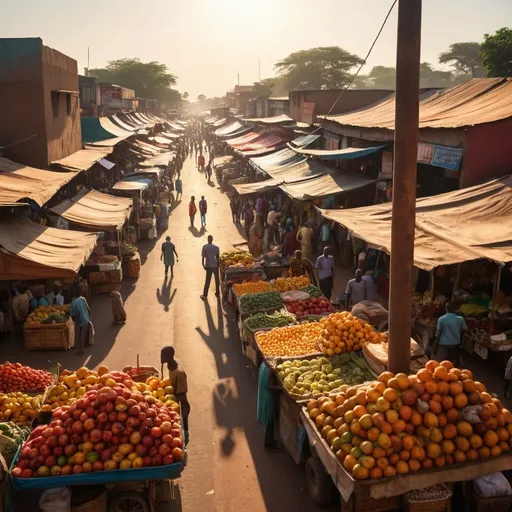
{"points": [[312, 306], [16, 377]]}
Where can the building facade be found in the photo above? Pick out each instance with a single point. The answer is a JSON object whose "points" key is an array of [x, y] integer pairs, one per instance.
{"points": [[115, 98], [39, 102], [90, 97]]}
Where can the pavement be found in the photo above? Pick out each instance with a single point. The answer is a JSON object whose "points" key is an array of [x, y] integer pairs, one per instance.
{"points": [[228, 468]]}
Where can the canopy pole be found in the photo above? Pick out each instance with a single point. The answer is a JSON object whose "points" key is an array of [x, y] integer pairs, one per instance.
{"points": [[494, 295], [404, 183]]}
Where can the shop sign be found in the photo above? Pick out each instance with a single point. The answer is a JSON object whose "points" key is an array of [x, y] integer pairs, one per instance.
{"points": [[440, 156]]}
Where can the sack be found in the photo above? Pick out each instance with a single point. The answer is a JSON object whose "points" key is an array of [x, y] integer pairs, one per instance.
{"points": [[490, 486], [20, 305], [56, 500]]}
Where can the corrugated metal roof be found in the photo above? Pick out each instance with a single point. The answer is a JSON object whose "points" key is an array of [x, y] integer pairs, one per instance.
{"points": [[478, 101]]}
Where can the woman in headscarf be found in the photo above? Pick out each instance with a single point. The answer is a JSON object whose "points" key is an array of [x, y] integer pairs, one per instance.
{"points": [[118, 308]]}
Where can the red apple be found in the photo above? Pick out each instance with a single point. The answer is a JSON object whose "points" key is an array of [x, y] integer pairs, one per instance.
{"points": [[168, 459], [140, 449], [117, 428], [135, 438], [106, 436], [156, 460], [112, 416], [91, 412], [147, 461], [47, 432], [77, 427], [109, 406], [70, 449], [99, 447], [122, 416], [106, 454], [77, 469], [177, 453], [156, 432], [164, 449], [58, 451], [45, 451], [95, 435], [52, 441], [50, 461], [97, 466], [63, 440], [26, 473], [102, 417], [167, 439], [147, 441]]}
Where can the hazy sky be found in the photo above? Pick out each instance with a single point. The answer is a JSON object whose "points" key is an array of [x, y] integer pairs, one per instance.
{"points": [[207, 42]]}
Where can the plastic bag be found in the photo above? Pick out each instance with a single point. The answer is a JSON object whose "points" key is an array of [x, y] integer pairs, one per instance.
{"points": [[471, 414], [492, 485], [56, 500], [294, 295]]}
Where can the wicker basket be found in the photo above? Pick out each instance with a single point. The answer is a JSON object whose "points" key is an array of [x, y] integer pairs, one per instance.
{"points": [[141, 373], [432, 505], [496, 504], [98, 504], [50, 336]]}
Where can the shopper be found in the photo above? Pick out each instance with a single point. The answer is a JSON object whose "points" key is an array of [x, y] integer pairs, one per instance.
{"points": [[449, 333], [179, 189], [325, 268], [305, 237], [300, 266], [192, 210], [268, 399], [167, 256], [356, 290], [80, 313], [178, 379], [203, 207], [118, 311], [324, 237], [200, 162], [210, 259]]}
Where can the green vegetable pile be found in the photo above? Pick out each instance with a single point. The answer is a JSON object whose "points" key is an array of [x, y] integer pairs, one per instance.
{"points": [[56, 318], [314, 377], [260, 301], [263, 320], [312, 290], [11, 436]]}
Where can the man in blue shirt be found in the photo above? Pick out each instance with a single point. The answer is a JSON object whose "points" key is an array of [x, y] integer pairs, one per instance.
{"points": [[80, 312], [450, 329]]}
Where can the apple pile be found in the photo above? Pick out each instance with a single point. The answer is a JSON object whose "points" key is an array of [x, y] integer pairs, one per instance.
{"points": [[109, 427], [311, 306], [16, 377]]}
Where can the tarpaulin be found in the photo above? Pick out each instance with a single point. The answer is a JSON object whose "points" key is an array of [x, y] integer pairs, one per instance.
{"points": [[265, 141], [169, 135], [458, 226], [326, 185], [110, 127], [31, 251], [241, 131], [107, 143], [132, 185], [283, 118], [244, 139], [176, 127], [305, 140], [19, 182], [220, 122], [95, 210], [161, 160], [146, 172], [480, 100], [82, 160], [122, 124], [230, 128], [263, 150], [282, 158], [93, 130], [160, 140], [258, 187], [300, 171], [339, 154]]}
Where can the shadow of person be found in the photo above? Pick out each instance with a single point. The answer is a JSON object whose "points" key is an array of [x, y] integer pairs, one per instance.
{"points": [[225, 397], [196, 232], [164, 297]]}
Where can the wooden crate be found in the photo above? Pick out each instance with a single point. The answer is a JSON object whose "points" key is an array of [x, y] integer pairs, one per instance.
{"points": [[50, 336]]}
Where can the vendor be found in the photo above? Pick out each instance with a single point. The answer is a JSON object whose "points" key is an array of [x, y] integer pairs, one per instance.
{"points": [[300, 266], [356, 290]]}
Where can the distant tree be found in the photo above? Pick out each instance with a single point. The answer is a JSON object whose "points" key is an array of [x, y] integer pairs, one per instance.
{"points": [[185, 95], [380, 77], [201, 97], [430, 77], [265, 86], [326, 67], [149, 80], [464, 57], [496, 53]]}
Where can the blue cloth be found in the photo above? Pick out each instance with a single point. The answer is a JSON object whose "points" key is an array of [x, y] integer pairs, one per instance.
{"points": [[266, 400], [80, 310], [33, 303], [179, 187], [43, 302], [449, 329], [324, 233]]}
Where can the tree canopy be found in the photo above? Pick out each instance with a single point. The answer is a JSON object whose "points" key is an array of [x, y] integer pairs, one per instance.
{"points": [[150, 80], [464, 57], [496, 53], [325, 67]]}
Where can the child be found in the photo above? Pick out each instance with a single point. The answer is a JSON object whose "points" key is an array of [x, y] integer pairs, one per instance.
{"points": [[178, 379]]}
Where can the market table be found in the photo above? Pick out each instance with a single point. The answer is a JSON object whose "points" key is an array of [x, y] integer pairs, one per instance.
{"points": [[352, 490]]}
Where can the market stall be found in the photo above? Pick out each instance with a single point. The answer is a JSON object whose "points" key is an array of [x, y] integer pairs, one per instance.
{"points": [[98, 453]]}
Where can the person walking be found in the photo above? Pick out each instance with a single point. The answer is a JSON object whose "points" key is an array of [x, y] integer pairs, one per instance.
{"points": [[178, 378], [301, 267], [210, 258], [325, 269], [449, 334], [179, 189], [208, 172], [80, 313], [167, 256], [356, 290], [325, 234], [200, 162], [203, 207], [305, 237], [192, 210]]}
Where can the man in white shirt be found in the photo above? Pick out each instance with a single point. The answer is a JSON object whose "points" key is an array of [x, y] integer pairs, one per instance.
{"points": [[325, 269], [271, 225], [356, 290]]}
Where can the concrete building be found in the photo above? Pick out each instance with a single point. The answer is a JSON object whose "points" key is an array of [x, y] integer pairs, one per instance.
{"points": [[116, 98], [90, 98], [39, 104]]}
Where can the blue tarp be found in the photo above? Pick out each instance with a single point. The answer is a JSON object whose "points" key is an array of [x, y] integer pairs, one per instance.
{"points": [[304, 140], [92, 131], [339, 154]]}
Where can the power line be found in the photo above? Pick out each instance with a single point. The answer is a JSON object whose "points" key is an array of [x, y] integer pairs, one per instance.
{"points": [[18, 142], [364, 60]]}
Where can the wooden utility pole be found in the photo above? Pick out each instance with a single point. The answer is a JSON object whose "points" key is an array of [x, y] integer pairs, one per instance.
{"points": [[404, 183]]}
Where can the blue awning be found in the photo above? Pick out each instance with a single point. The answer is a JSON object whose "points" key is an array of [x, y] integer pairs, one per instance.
{"points": [[339, 154], [304, 140]]}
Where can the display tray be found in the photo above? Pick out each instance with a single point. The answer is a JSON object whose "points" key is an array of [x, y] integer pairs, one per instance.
{"points": [[169, 472], [50, 336]]}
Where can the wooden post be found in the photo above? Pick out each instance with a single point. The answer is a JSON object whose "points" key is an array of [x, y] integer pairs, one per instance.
{"points": [[404, 183], [495, 293]]}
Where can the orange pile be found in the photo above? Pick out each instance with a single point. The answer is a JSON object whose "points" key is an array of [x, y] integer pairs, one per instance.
{"points": [[251, 287], [343, 332], [402, 423], [293, 340]]}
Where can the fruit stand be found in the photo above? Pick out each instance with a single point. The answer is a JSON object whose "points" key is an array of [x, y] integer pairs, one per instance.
{"points": [[49, 328], [103, 429]]}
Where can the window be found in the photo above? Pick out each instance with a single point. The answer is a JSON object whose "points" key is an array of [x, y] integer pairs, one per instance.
{"points": [[68, 104], [55, 103]]}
